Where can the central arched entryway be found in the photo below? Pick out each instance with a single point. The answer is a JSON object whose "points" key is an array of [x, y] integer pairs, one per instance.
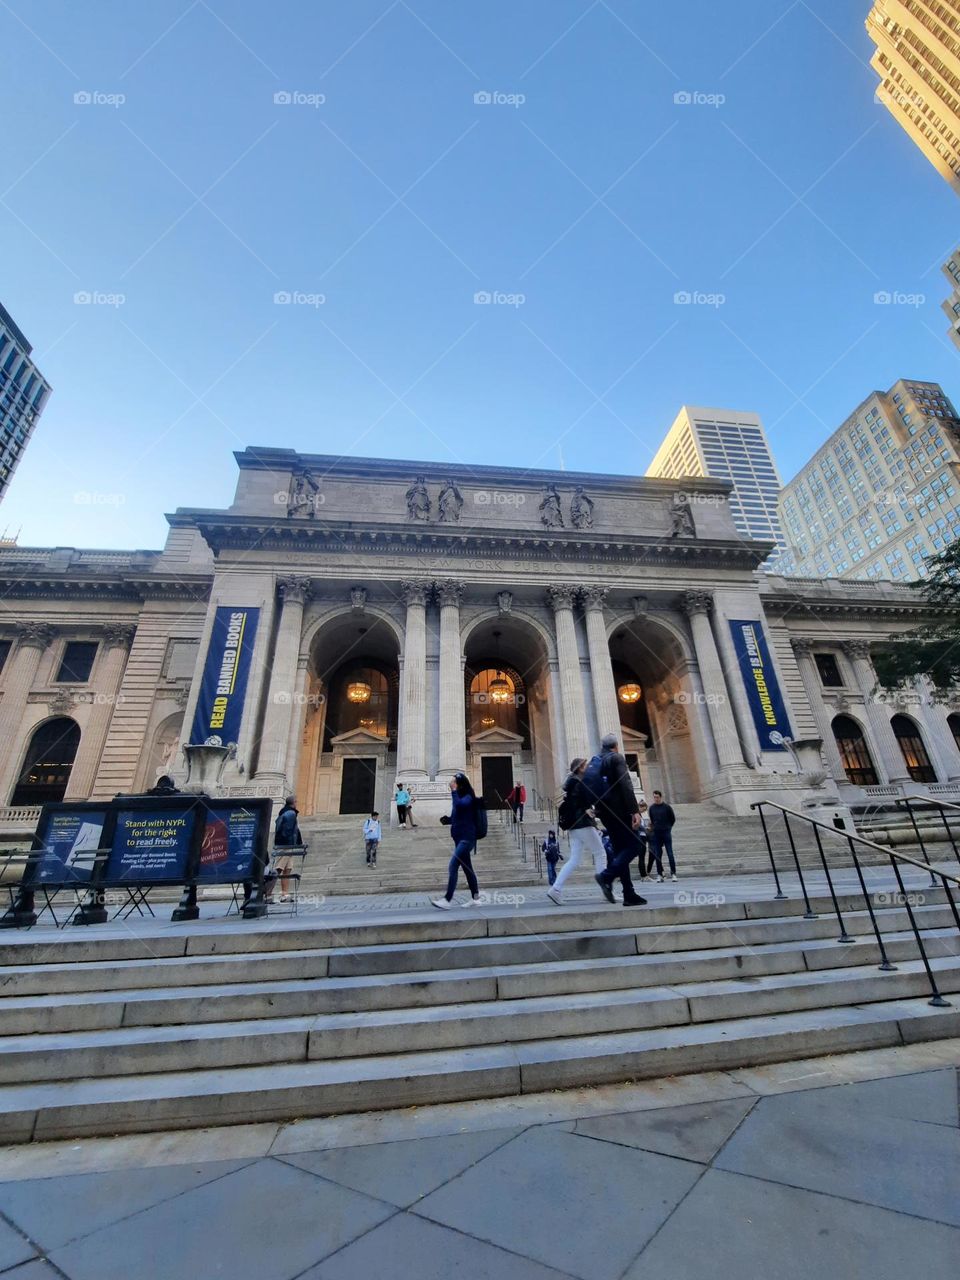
{"points": [[507, 704], [350, 706]]}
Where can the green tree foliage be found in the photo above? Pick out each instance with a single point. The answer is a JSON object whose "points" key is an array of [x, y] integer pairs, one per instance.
{"points": [[934, 649]]}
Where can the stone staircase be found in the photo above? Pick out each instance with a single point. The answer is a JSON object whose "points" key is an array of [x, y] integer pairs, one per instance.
{"points": [[708, 841], [217, 1023]]}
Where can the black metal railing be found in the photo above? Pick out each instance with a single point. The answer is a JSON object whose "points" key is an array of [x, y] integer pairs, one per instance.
{"points": [[853, 842], [941, 806]]}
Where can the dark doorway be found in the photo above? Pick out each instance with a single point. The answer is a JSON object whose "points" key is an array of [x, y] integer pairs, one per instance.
{"points": [[359, 786], [49, 760], [496, 773]]}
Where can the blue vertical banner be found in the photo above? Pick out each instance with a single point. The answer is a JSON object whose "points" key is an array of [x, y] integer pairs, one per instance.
{"points": [[220, 704], [761, 683]]}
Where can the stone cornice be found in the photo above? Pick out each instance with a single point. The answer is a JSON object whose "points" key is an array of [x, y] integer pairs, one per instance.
{"points": [[264, 533], [105, 588]]}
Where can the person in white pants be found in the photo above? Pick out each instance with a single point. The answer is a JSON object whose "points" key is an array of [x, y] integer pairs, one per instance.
{"points": [[581, 831]]}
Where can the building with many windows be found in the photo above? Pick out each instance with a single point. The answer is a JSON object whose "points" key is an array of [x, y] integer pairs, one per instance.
{"points": [[951, 306], [882, 494], [23, 393], [918, 61], [726, 445]]}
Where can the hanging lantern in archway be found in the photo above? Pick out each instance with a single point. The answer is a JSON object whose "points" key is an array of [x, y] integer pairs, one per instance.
{"points": [[488, 722], [630, 692], [499, 689], [358, 691]]}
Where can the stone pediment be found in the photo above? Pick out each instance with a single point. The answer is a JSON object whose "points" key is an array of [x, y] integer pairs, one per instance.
{"points": [[496, 737], [632, 740], [359, 738]]}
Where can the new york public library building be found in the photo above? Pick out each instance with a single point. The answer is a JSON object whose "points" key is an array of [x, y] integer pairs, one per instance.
{"points": [[349, 622]]}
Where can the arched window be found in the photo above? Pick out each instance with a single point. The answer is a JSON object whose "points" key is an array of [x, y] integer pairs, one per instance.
{"points": [[47, 764], [854, 752], [954, 722], [496, 699], [914, 752], [361, 697]]}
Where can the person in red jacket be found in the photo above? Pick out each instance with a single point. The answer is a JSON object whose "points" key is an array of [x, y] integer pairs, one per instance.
{"points": [[516, 799]]}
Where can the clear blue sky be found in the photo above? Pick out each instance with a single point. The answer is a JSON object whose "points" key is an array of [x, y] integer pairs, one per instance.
{"points": [[598, 198]]}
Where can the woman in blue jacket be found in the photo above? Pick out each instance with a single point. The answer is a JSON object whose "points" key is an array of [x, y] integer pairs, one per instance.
{"points": [[463, 830]]}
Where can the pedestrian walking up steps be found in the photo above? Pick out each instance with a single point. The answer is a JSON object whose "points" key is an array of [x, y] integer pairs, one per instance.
{"points": [[215, 1024]]}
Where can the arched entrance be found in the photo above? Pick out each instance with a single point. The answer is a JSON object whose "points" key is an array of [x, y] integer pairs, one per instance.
{"points": [[658, 718], [48, 762], [507, 701], [351, 700], [910, 742], [854, 752]]}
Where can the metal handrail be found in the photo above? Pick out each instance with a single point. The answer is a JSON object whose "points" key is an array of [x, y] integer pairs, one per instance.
{"points": [[853, 839], [940, 806]]}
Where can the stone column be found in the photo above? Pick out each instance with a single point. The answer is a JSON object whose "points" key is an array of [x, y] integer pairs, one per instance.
{"points": [[886, 750], [116, 645], [32, 640], [453, 724], [281, 696], [698, 605], [298, 719], [601, 667], [938, 727], [803, 651], [412, 726], [571, 685]]}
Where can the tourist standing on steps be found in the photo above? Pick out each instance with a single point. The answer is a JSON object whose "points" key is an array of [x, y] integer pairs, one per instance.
{"points": [[516, 799], [463, 832], [607, 780], [402, 801], [581, 828], [286, 835], [662, 819], [371, 836], [551, 853]]}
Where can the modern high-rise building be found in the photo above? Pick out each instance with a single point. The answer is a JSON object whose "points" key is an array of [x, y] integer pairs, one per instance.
{"points": [[882, 494], [951, 307], [726, 445], [918, 61], [23, 393]]}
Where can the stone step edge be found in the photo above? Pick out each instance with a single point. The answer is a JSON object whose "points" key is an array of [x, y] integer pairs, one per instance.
{"points": [[239, 1095]]}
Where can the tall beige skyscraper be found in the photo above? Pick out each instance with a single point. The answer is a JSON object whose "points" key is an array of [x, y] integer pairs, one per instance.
{"points": [[918, 62]]}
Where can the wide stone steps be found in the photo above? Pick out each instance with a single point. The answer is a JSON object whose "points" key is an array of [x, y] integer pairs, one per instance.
{"points": [[210, 1023]]}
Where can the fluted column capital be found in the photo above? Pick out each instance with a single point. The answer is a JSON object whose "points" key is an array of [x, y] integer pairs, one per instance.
{"points": [[594, 598], [295, 589], [449, 591], [414, 591], [561, 597], [118, 636], [802, 646], [856, 648], [35, 635], [696, 603]]}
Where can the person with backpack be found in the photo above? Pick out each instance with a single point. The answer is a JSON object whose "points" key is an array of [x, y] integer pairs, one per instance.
{"points": [[575, 817], [468, 824], [286, 835], [662, 818], [371, 836], [551, 854], [516, 799], [607, 782]]}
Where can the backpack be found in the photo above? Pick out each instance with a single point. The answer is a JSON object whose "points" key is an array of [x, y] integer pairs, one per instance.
{"points": [[480, 816], [568, 809], [593, 782]]}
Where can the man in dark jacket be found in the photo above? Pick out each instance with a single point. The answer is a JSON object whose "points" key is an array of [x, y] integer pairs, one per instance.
{"points": [[619, 811], [662, 818]]}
